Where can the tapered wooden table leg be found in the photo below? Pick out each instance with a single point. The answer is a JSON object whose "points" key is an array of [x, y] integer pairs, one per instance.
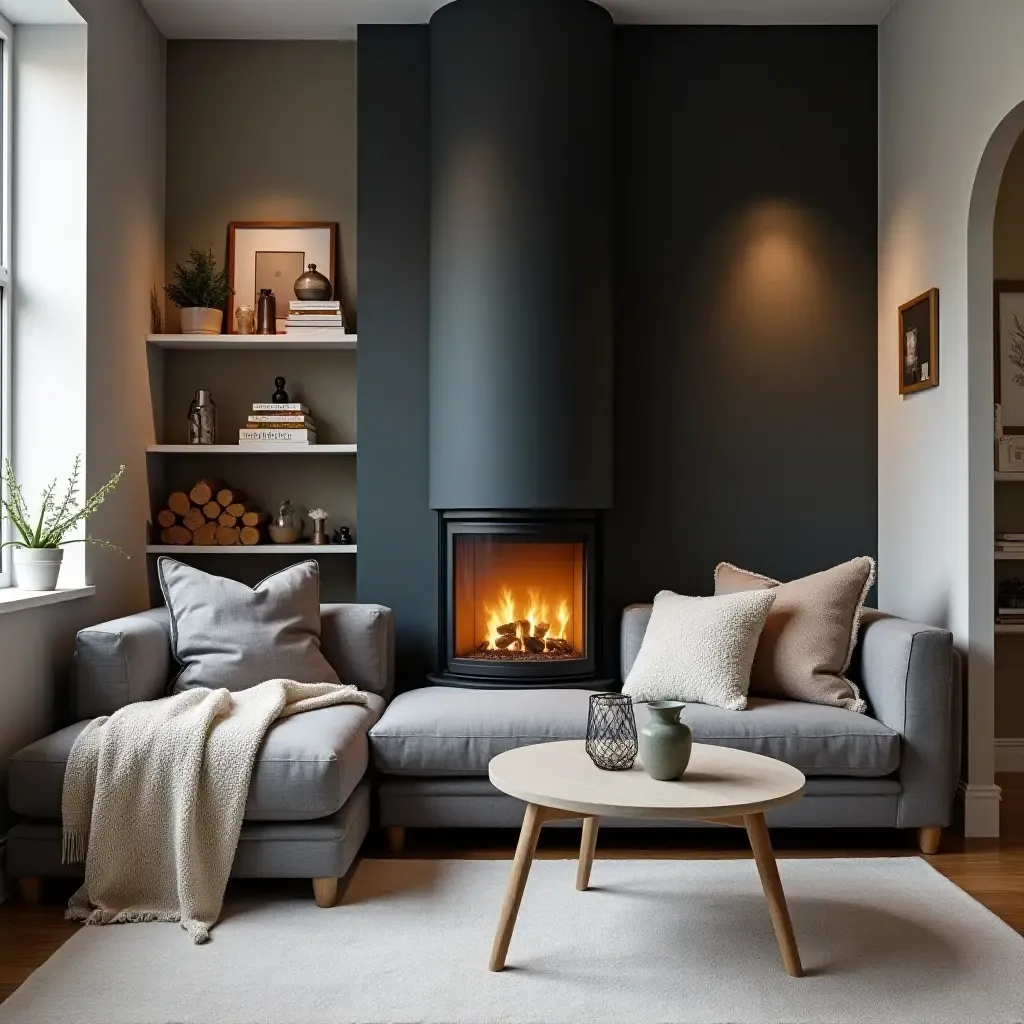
{"points": [[761, 844], [587, 845], [516, 884]]}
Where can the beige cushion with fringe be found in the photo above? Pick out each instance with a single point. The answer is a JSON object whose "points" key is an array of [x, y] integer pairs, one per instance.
{"points": [[807, 642]]}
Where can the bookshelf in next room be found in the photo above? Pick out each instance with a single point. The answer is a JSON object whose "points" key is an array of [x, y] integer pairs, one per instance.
{"points": [[240, 371]]}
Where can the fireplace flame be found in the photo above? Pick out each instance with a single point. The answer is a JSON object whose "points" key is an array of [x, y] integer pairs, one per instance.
{"points": [[530, 617]]}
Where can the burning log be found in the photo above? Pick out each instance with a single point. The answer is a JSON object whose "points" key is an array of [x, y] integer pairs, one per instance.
{"points": [[508, 629], [558, 646], [523, 627], [541, 629], [505, 641], [484, 646], [533, 644]]}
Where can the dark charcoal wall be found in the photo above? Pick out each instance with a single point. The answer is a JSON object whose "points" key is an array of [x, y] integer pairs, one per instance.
{"points": [[745, 334], [397, 561], [745, 368], [521, 239]]}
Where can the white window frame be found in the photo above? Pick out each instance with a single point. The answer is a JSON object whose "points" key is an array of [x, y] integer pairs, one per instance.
{"points": [[6, 291]]}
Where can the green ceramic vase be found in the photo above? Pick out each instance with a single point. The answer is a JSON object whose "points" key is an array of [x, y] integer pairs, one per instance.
{"points": [[665, 742]]}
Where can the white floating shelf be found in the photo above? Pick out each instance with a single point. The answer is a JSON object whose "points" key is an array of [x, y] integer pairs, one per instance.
{"points": [[1010, 556], [250, 342], [1009, 627], [251, 449], [251, 549]]}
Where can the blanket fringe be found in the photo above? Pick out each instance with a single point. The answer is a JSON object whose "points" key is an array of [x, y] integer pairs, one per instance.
{"points": [[72, 847], [87, 916]]}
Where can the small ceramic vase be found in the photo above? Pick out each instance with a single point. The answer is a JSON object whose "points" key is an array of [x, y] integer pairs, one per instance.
{"points": [[665, 742]]}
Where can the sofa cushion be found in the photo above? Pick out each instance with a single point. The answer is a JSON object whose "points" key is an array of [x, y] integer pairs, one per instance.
{"points": [[442, 730], [225, 633], [306, 768]]}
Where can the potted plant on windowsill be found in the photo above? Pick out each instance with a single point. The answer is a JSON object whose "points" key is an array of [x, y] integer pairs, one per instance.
{"points": [[39, 551], [199, 291]]}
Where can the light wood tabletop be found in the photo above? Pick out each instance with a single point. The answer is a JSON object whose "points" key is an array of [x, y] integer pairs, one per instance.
{"points": [[558, 781]]}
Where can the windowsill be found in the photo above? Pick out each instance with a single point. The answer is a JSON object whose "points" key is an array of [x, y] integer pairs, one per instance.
{"points": [[14, 600]]}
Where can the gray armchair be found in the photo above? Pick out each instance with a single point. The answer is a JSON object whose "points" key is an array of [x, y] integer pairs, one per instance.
{"points": [[308, 809]]}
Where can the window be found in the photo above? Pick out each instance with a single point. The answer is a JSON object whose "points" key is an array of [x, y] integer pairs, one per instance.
{"points": [[6, 47]]}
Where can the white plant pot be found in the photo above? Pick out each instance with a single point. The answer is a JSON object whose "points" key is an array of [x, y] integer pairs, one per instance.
{"points": [[201, 320], [37, 568]]}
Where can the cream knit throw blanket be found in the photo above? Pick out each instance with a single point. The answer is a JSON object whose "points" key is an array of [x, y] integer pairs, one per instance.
{"points": [[154, 797]]}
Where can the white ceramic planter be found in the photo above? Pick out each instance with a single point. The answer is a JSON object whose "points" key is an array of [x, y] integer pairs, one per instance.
{"points": [[201, 320], [37, 568]]}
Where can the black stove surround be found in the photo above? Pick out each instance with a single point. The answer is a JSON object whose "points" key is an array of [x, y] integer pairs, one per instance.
{"points": [[545, 566], [521, 331]]}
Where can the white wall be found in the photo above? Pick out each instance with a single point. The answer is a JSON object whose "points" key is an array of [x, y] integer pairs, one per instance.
{"points": [[949, 74], [125, 213]]}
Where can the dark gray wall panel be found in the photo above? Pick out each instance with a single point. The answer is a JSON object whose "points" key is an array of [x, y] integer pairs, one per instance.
{"points": [[745, 350], [521, 286], [397, 560]]}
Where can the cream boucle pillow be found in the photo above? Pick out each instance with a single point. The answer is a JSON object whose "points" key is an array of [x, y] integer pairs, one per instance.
{"points": [[700, 649]]}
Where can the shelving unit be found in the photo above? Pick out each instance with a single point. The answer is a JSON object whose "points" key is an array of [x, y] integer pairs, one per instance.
{"points": [[239, 370], [1008, 628], [251, 449], [249, 343], [254, 549], [1007, 478], [1009, 556]]}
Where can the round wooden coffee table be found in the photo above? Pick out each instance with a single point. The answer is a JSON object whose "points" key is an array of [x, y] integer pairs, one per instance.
{"points": [[558, 781]]}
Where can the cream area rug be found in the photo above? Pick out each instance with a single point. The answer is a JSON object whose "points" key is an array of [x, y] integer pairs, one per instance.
{"points": [[884, 941]]}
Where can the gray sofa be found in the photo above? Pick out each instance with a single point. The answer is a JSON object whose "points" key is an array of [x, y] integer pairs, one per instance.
{"points": [[896, 766], [309, 805]]}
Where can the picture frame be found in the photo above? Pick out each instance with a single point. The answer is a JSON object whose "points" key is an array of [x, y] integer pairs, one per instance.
{"points": [[272, 254], [1008, 315], [919, 343]]}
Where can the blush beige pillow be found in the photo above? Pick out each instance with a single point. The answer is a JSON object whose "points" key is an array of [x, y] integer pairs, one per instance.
{"points": [[808, 639]]}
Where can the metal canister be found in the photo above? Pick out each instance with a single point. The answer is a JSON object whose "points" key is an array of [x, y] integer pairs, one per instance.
{"points": [[266, 312], [202, 419]]}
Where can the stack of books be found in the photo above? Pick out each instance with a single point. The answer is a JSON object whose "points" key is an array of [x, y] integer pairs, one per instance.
{"points": [[278, 423], [319, 321], [1011, 542], [1010, 616]]}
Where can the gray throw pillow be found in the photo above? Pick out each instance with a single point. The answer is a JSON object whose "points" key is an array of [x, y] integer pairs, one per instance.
{"points": [[227, 634]]}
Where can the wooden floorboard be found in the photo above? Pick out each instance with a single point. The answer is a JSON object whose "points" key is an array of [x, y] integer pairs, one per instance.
{"points": [[991, 870]]}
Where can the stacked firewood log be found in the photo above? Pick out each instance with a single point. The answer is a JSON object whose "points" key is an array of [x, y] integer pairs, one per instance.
{"points": [[211, 514]]}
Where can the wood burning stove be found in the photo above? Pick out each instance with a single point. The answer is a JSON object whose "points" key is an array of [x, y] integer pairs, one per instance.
{"points": [[518, 599]]}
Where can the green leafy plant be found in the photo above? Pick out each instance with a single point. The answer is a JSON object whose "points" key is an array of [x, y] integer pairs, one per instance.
{"points": [[199, 285], [57, 517]]}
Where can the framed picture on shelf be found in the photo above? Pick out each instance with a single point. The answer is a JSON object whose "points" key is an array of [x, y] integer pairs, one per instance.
{"points": [[919, 343], [274, 254], [1009, 354]]}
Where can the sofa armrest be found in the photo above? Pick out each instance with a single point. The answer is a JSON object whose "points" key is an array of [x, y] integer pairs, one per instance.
{"points": [[121, 662], [359, 642], [909, 675]]}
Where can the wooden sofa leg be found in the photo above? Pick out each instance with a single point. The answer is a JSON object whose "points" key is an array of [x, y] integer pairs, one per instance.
{"points": [[396, 839], [325, 891], [928, 839], [31, 889]]}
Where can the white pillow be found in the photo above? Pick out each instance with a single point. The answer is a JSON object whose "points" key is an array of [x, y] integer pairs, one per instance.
{"points": [[700, 649]]}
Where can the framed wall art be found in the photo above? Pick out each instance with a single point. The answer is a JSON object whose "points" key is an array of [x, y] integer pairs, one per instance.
{"points": [[273, 254], [919, 343], [1008, 318]]}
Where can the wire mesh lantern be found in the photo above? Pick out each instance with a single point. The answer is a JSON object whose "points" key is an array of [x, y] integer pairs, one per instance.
{"points": [[611, 732]]}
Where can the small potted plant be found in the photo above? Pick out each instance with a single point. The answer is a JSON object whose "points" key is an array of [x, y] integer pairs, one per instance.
{"points": [[200, 291], [38, 552]]}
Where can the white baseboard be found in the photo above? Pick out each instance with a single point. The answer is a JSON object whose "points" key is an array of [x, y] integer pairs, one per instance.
{"points": [[981, 810], [1009, 754]]}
